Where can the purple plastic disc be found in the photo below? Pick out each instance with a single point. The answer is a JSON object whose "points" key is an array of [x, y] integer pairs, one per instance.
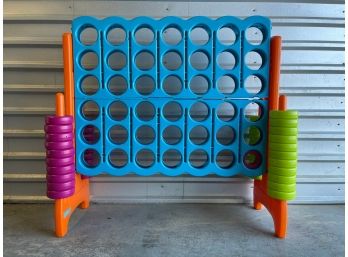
{"points": [[59, 137], [58, 162], [60, 186], [60, 153], [59, 120], [60, 195], [60, 178], [58, 129], [59, 145], [69, 169]]}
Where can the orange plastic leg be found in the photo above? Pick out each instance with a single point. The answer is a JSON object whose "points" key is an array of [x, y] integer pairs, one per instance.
{"points": [[277, 208], [66, 206]]}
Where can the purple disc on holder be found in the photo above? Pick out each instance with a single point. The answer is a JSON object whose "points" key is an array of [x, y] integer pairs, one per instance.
{"points": [[69, 169], [59, 120], [58, 162], [60, 195], [59, 145], [60, 153], [58, 129], [59, 137], [60, 186], [60, 178]]}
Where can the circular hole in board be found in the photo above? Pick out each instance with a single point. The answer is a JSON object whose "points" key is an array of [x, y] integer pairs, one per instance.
{"points": [[91, 158], [144, 60], [253, 111], [90, 134], [145, 135], [117, 85], [90, 110], [145, 158], [226, 84], [172, 158], [117, 60], [145, 111], [252, 159], [254, 36], [118, 111], [172, 111], [89, 85], [172, 60], [226, 60], [252, 135], [199, 135], [199, 85], [145, 85], [199, 36], [116, 36], [144, 36], [199, 111], [226, 36], [118, 134], [225, 135], [198, 158], [225, 111], [199, 60], [225, 159], [253, 84], [172, 85], [172, 36], [253, 60], [172, 135], [89, 60], [88, 36], [118, 158]]}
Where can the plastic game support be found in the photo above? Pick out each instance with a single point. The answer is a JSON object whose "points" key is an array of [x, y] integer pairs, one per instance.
{"points": [[277, 208], [65, 207]]}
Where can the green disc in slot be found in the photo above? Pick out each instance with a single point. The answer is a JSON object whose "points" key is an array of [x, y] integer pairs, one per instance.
{"points": [[282, 139], [283, 155], [282, 163], [283, 123], [281, 179], [283, 115], [278, 171], [283, 131], [286, 188], [282, 147], [281, 195]]}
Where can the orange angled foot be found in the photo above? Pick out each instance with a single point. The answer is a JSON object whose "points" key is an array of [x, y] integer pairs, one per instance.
{"points": [[66, 206], [277, 208]]}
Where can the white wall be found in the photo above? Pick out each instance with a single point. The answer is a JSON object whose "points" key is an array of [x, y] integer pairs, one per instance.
{"points": [[312, 77]]}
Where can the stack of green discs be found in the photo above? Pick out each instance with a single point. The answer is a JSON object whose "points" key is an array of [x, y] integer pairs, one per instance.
{"points": [[282, 148]]}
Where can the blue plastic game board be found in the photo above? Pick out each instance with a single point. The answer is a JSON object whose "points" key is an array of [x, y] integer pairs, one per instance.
{"points": [[149, 155]]}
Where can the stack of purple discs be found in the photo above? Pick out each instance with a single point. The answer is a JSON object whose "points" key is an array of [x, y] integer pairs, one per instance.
{"points": [[60, 156]]}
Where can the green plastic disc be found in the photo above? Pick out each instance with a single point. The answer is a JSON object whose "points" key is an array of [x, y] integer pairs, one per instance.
{"points": [[286, 172], [284, 115], [282, 163], [283, 155], [282, 147], [281, 195], [281, 179], [285, 188], [282, 139], [283, 123], [283, 131]]}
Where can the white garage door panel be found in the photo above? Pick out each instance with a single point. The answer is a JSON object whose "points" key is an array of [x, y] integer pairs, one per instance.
{"points": [[312, 77]]}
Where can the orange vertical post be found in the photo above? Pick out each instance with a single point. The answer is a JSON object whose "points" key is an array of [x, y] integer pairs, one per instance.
{"points": [[66, 206], [277, 208]]}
